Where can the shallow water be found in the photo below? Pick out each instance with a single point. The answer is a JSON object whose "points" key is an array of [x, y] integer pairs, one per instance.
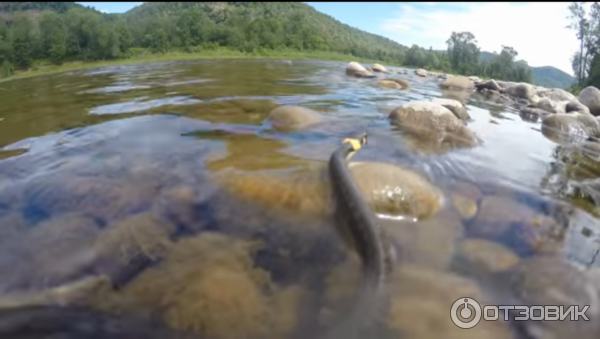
{"points": [[227, 214]]}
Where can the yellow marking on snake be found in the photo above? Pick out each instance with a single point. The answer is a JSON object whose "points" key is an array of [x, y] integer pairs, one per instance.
{"points": [[356, 144]]}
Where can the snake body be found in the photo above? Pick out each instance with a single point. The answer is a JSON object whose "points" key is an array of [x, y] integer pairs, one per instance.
{"points": [[374, 251]]}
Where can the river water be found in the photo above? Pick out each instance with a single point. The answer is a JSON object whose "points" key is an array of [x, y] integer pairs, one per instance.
{"points": [[119, 171]]}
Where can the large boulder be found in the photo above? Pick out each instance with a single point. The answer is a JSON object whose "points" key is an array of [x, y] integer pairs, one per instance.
{"points": [[506, 84], [556, 94], [455, 106], [521, 90], [293, 117], [358, 70], [571, 126], [590, 97], [434, 122], [576, 106], [491, 85], [458, 83], [550, 105]]}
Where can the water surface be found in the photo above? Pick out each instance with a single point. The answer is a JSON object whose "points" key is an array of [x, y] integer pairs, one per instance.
{"points": [[128, 162]]}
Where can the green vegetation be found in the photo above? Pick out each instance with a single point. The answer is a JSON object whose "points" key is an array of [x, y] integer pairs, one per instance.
{"points": [[35, 34], [586, 61]]}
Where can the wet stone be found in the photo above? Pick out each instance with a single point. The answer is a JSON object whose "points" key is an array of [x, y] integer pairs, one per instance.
{"points": [[225, 297], [51, 253], [104, 199], [422, 298], [479, 254], [430, 243], [549, 280]]}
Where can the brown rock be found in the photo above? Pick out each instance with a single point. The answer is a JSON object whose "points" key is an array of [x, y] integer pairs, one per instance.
{"points": [[379, 68], [458, 83], [357, 70], [455, 106], [395, 190], [421, 300], [293, 117], [486, 255], [429, 243], [394, 83]]}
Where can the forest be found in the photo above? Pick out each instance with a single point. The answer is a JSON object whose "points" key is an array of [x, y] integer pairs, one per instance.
{"points": [[39, 33]]}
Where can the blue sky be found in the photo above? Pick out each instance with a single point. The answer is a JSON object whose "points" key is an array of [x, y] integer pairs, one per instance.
{"points": [[535, 29]]}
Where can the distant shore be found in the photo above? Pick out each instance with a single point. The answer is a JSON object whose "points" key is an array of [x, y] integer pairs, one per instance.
{"points": [[141, 57]]}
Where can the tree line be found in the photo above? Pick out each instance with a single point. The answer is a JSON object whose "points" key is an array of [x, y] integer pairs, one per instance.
{"points": [[585, 22], [59, 32]]}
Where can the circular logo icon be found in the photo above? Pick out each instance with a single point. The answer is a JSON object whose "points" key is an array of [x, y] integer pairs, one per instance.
{"points": [[465, 313]]}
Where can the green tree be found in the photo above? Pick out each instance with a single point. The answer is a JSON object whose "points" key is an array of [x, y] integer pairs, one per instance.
{"points": [[22, 40], [581, 25], [53, 32], [463, 52]]}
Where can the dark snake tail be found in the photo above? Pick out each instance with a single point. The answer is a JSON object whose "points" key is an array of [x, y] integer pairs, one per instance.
{"points": [[361, 222]]}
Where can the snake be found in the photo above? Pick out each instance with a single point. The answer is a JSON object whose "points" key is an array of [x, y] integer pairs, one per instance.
{"points": [[359, 220]]}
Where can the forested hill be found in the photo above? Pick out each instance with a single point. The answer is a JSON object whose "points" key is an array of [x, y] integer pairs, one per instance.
{"points": [[32, 33], [270, 24], [547, 76]]}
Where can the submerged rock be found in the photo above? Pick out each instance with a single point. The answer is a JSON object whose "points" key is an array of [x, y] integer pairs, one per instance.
{"points": [[104, 199], [293, 117], [225, 297], [130, 245], [549, 280], [394, 190], [394, 83], [421, 301], [572, 126], [487, 256], [428, 243], [500, 216]]}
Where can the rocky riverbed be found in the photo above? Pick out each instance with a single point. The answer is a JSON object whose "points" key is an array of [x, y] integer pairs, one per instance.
{"points": [[196, 194]]}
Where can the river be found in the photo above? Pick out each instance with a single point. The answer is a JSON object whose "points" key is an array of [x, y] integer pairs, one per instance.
{"points": [[169, 178]]}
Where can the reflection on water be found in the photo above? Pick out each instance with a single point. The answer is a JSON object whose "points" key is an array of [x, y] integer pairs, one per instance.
{"points": [[168, 179]]}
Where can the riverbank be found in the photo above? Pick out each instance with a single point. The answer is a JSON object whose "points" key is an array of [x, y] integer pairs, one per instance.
{"points": [[145, 56]]}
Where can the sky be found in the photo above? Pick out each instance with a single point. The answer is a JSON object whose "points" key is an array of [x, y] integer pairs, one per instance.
{"points": [[537, 30]]}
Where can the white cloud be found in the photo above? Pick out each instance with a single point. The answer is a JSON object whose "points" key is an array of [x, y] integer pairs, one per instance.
{"points": [[102, 11], [535, 29]]}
